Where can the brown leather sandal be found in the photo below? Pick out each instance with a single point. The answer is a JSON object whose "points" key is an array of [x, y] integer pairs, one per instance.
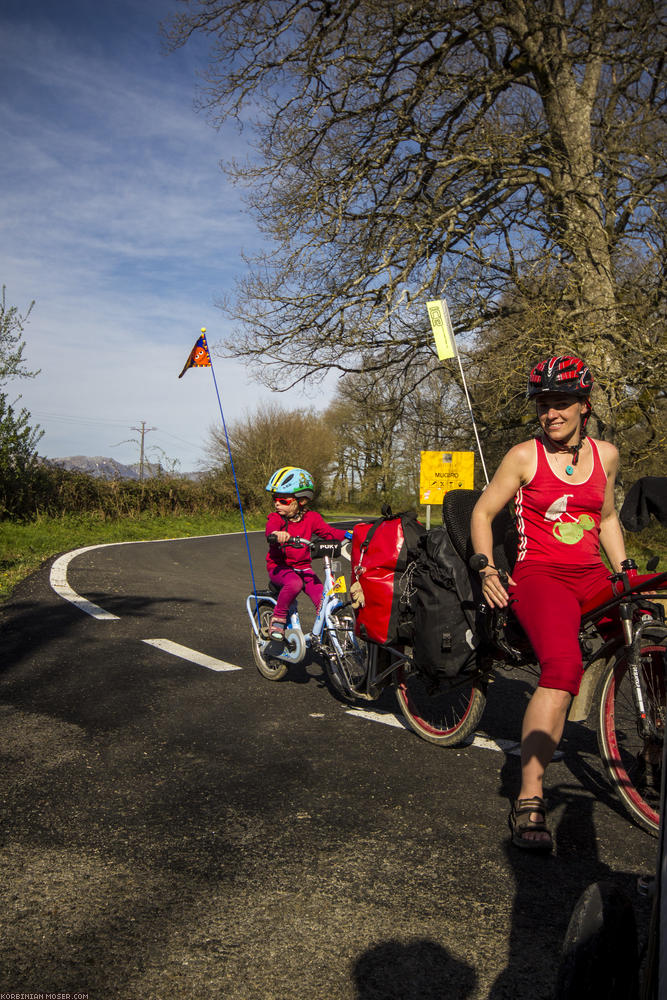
{"points": [[520, 824]]}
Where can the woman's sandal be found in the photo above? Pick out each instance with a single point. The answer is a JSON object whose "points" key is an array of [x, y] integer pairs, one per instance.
{"points": [[520, 824]]}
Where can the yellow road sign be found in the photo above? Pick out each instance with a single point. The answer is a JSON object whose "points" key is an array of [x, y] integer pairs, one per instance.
{"points": [[441, 471]]}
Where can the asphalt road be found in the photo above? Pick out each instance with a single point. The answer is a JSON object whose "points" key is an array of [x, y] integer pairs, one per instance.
{"points": [[170, 830]]}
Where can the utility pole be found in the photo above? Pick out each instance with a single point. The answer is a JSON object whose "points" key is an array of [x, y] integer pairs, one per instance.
{"points": [[143, 430]]}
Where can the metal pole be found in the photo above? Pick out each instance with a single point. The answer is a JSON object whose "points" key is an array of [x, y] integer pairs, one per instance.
{"points": [[465, 387]]}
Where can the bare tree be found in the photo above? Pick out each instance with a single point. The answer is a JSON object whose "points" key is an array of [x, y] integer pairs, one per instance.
{"points": [[268, 439], [409, 149], [12, 344], [366, 420]]}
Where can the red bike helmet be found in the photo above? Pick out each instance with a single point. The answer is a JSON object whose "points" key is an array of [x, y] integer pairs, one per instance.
{"points": [[562, 374]]}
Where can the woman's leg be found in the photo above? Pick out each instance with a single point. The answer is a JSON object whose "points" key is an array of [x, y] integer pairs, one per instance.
{"points": [[543, 724], [550, 613]]}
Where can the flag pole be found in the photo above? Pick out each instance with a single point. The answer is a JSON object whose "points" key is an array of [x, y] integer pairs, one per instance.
{"points": [[446, 345], [209, 363]]}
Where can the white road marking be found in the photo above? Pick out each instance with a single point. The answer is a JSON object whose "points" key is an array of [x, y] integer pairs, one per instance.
{"points": [[58, 581], [386, 718], [185, 653], [501, 746], [58, 574], [389, 719], [482, 742]]}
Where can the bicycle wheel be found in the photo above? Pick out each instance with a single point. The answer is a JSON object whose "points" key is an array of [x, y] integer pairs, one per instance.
{"points": [[447, 714], [268, 666], [633, 761], [600, 954], [346, 656]]}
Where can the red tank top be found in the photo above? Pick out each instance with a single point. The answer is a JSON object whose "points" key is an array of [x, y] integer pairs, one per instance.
{"points": [[559, 522]]}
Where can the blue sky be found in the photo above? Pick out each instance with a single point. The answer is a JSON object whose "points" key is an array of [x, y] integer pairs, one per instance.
{"points": [[116, 219]]}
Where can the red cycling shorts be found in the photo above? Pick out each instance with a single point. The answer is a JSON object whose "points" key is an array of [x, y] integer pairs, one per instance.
{"points": [[547, 602]]}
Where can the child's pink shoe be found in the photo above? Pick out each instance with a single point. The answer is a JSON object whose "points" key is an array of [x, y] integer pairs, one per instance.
{"points": [[277, 630]]}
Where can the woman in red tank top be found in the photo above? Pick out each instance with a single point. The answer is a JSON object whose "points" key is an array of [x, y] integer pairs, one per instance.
{"points": [[562, 484]]}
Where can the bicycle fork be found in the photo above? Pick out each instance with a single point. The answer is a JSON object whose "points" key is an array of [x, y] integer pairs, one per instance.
{"points": [[646, 728]]}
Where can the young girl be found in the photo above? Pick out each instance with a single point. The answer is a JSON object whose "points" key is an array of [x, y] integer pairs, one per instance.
{"points": [[290, 568]]}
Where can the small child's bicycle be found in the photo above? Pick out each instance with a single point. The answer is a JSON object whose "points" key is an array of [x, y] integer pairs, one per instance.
{"points": [[331, 637]]}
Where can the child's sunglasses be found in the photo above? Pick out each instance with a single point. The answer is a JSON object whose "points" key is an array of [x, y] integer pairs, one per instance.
{"points": [[279, 499]]}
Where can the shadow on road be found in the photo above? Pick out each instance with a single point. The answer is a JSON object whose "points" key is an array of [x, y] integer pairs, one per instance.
{"points": [[418, 970], [548, 888]]}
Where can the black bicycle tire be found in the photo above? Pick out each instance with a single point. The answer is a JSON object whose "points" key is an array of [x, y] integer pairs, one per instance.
{"points": [[609, 730], [600, 953], [406, 682]]}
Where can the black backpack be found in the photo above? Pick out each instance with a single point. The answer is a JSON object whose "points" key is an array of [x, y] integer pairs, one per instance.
{"points": [[447, 593]]}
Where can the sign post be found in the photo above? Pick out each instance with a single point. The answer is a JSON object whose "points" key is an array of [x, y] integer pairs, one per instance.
{"points": [[445, 342]]}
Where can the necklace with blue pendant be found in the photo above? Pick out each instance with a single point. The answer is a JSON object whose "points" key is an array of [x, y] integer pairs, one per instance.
{"points": [[569, 470]]}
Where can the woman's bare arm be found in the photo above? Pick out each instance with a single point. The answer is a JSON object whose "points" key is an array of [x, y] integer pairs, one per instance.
{"points": [[514, 470]]}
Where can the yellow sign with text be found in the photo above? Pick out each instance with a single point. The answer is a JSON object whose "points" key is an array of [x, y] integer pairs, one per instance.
{"points": [[441, 471], [441, 325]]}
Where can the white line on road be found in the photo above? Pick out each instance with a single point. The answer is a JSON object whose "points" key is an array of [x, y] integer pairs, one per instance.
{"points": [[58, 574], [58, 581], [185, 653], [386, 718], [389, 719]]}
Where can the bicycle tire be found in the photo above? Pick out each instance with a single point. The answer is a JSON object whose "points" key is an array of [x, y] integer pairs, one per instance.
{"points": [[348, 669], [269, 667], [633, 763], [447, 715], [600, 953]]}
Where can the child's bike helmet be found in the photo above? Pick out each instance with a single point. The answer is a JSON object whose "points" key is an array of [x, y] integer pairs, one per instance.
{"points": [[292, 482], [563, 374]]}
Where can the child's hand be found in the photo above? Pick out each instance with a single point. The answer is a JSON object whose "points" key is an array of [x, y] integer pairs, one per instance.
{"points": [[281, 537]]}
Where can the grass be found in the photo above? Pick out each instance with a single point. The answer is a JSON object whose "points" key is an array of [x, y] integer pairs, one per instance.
{"points": [[25, 546]]}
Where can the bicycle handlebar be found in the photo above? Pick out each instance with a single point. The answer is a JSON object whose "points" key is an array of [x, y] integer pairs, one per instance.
{"points": [[319, 547], [294, 540]]}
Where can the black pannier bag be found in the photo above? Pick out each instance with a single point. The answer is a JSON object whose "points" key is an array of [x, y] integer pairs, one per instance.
{"points": [[448, 593]]}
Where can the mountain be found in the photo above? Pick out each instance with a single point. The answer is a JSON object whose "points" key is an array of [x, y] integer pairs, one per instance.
{"points": [[109, 468], [100, 468]]}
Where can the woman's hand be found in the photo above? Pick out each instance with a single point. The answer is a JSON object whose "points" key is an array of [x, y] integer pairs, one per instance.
{"points": [[493, 591]]}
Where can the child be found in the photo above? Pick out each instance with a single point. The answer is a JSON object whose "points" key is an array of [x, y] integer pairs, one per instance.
{"points": [[290, 568]]}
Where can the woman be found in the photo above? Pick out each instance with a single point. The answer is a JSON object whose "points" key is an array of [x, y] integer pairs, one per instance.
{"points": [[562, 484]]}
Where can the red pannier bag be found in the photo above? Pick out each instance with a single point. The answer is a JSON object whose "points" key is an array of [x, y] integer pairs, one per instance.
{"points": [[382, 553]]}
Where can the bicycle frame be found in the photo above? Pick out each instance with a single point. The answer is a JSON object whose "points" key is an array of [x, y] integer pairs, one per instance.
{"points": [[296, 641], [596, 660]]}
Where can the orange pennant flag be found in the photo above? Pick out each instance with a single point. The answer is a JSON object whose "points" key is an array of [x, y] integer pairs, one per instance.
{"points": [[199, 355]]}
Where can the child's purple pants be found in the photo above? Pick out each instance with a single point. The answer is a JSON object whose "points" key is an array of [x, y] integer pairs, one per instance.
{"points": [[291, 583]]}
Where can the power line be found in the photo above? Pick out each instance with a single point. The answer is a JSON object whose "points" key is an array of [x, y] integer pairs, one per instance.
{"points": [[69, 418]]}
